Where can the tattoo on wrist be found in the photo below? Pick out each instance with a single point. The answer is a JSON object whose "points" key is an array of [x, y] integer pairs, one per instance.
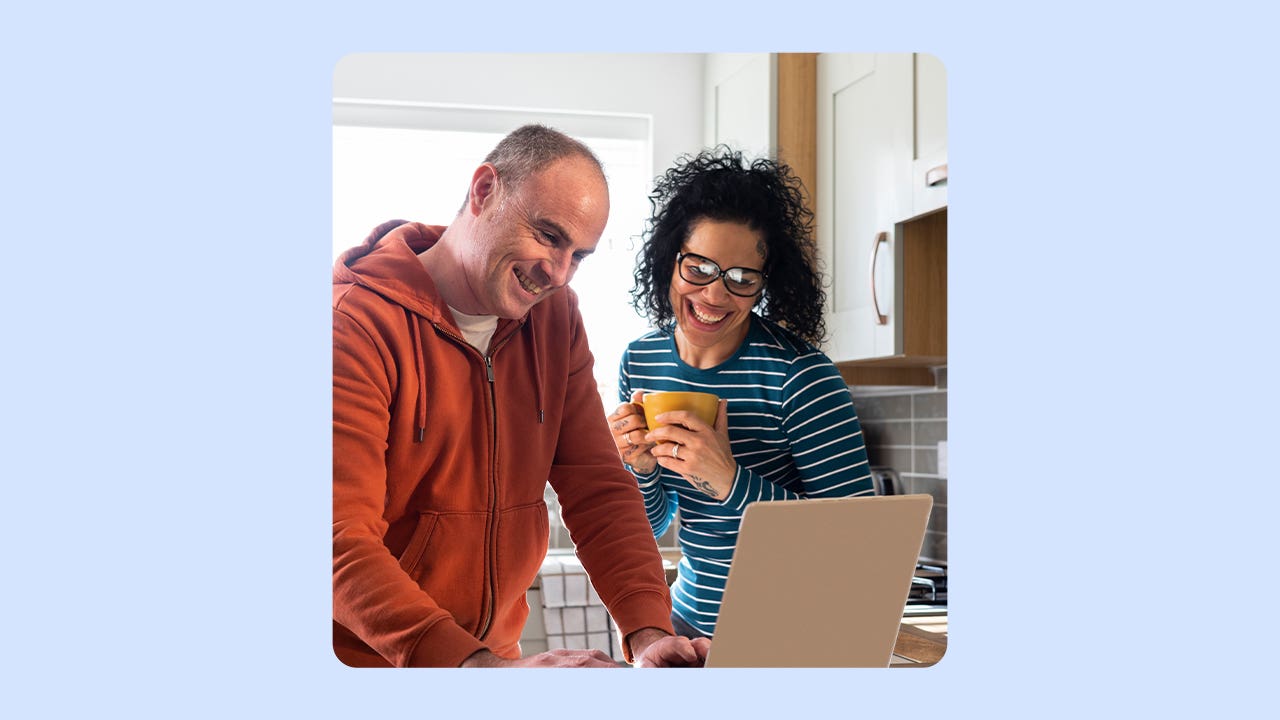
{"points": [[703, 485]]}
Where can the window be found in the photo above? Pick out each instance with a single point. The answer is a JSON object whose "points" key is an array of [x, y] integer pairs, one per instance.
{"points": [[414, 161]]}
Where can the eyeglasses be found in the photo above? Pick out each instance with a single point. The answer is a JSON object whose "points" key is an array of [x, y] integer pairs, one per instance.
{"points": [[740, 281]]}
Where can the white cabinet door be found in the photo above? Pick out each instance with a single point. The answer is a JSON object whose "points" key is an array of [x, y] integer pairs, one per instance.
{"points": [[864, 188], [929, 164], [741, 102]]}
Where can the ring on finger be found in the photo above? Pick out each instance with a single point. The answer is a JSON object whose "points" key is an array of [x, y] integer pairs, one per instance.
{"points": [[675, 451]]}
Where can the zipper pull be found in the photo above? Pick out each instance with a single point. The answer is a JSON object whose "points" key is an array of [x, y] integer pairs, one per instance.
{"points": [[488, 366]]}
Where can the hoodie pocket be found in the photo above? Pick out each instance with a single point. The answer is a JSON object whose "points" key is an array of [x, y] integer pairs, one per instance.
{"points": [[522, 546], [411, 558]]}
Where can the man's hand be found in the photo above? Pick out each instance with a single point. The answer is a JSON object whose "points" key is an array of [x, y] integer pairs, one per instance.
{"points": [[652, 647], [702, 646], [551, 658]]}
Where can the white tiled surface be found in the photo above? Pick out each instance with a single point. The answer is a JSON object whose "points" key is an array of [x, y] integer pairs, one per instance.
{"points": [[597, 619], [566, 612], [575, 590], [535, 626], [563, 585]]}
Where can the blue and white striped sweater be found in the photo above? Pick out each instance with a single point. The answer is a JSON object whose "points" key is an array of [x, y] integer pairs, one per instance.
{"points": [[793, 431]]}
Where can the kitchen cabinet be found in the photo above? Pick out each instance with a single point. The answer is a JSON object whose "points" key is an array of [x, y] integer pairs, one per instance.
{"points": [[763, 104], [740, 91], [882, 238], [929, 161]]}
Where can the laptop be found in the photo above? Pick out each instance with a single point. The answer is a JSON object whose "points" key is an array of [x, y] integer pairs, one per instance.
{"points": [[820, 583]]}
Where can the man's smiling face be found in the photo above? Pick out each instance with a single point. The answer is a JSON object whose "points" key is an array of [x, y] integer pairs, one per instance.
{"points": [[529, 241]]}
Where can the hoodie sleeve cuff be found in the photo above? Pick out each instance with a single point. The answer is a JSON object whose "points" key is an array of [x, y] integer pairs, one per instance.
{"points": [[444, 644], [647, 608]]}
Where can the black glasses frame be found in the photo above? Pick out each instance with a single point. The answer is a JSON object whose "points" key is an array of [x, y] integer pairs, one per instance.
{"points": [[722, 277]]}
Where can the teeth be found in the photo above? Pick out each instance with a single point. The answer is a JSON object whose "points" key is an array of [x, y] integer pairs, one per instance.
{"points": [[527, 284], [706, 318]]}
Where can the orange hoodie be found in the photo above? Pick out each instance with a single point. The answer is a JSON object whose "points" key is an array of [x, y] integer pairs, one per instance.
{"points": [[440, 457]]}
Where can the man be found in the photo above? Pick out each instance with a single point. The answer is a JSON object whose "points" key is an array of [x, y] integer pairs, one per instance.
{"points": [[462, 384]]}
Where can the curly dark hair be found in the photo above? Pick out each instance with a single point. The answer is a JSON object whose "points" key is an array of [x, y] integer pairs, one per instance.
{"points": [[765, 195]]}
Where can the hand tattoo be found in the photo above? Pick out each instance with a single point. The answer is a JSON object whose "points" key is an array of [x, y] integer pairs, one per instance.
{"points": [[703, 485]]}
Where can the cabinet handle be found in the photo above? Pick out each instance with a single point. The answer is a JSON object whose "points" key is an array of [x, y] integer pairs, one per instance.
{"points": [[881, 318], [936, 176]]}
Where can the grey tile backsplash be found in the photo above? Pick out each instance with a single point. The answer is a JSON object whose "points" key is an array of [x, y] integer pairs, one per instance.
{"points": [[903, 427]]}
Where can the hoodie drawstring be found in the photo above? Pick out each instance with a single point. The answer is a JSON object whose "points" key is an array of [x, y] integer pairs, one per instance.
{"points": [[418, 364], [537, 369]]}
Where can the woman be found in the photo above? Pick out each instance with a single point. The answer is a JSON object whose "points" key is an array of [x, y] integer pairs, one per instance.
{"points": [[727, 276]]}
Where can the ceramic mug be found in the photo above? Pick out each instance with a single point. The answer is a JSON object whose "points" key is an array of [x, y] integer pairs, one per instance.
{"points": [[704, 405]]}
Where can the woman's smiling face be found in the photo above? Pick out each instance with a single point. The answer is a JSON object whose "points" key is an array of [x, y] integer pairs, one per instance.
{"points": [[710, 320]]}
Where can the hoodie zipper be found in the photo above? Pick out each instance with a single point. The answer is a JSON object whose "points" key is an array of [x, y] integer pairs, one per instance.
{"points": [[490, 537], [491, 533]]}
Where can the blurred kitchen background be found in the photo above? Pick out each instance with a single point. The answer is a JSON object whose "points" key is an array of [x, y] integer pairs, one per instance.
{"points": [[866, 133]]}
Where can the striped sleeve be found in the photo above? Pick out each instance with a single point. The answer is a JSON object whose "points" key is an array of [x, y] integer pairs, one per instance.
{"points": [[826, 439], [659, 504], [749, 486]]}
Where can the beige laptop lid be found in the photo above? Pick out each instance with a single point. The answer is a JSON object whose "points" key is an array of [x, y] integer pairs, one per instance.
{"points": [[820, 583]]}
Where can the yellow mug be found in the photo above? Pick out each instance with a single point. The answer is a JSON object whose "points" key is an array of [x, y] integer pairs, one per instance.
{"points": [[703, 405]]}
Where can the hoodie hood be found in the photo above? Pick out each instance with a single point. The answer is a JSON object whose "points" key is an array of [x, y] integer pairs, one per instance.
{"points": [[379, 263], [387, 264]]}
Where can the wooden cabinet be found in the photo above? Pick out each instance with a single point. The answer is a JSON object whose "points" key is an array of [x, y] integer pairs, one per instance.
{"points": [[883, 240], [763, 104]]}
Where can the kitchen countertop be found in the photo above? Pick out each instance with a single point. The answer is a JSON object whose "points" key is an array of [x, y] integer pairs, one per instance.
{"points": [[922, 641]]}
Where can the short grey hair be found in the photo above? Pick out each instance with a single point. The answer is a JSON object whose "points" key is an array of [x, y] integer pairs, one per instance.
{"points": [[531, 148]]}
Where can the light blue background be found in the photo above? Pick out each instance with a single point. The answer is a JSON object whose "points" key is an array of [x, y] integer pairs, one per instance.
{"points": [[166, 210]]}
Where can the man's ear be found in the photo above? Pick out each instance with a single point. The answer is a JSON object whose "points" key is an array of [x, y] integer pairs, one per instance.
{"points": [[484, 188]]}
